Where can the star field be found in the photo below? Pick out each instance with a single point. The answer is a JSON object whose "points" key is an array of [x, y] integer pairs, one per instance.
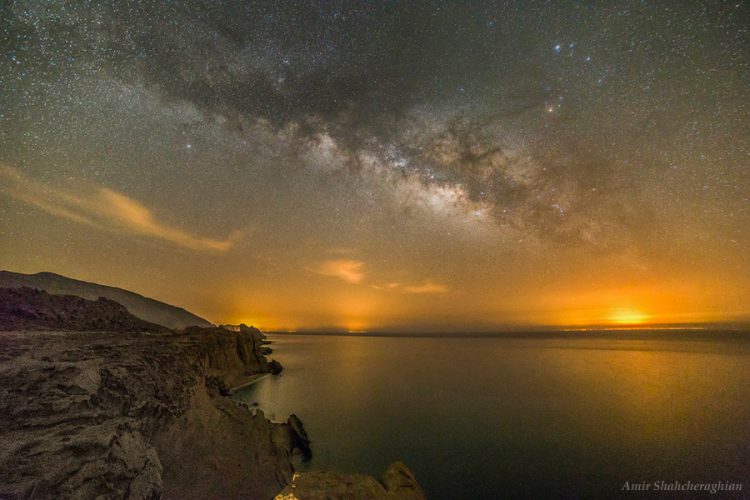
{"points": [[384, 165]]}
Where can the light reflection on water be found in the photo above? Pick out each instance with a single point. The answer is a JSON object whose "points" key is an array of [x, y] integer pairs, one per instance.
{"points": [[510, 417]]}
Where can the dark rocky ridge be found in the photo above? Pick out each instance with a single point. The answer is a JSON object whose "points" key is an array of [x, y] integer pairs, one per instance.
{"points": [[28, 309], [142, 307]]}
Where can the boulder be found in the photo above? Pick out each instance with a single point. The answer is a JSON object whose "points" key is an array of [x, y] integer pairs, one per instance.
{"points": [[398, 484], [299, 436]]}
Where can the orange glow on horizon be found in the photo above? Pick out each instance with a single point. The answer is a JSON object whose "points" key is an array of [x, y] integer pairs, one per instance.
{"points": [[648, 303], [356, 326], [338, 305], [628, 317]]}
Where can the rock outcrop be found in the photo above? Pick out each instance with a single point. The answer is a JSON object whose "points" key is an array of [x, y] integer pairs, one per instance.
{"points": [[398, 483], [233, 358], [132, 415], [294, 436]]}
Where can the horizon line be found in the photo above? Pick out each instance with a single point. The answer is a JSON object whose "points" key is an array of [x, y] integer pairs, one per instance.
{"points": [[723, 327]]}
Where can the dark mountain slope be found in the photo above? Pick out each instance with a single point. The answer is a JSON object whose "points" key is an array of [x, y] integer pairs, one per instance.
{"points": [[144, 308], [30, 309]]}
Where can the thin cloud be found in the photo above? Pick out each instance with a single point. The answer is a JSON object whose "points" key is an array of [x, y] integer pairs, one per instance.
{"points": [[389, 286], [351, 271], [105, 209], [427, 289]]}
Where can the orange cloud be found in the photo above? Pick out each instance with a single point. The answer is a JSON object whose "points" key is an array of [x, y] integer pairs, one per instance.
{"points": [[105, 209], [348, 270], [352, 271], [427, 288]]}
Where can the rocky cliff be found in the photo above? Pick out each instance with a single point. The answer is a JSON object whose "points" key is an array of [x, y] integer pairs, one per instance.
{"points": [[135, 415], [133, 410]]}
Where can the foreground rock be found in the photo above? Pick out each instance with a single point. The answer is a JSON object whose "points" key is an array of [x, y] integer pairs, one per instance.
{"points": [[134, 415], [398, 482]]}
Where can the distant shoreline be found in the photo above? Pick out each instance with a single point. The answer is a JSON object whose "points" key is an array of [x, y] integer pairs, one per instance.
{"points": [[697, 333]]}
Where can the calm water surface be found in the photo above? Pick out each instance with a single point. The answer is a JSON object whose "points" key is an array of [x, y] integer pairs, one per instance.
{"points": [[519, 417]]}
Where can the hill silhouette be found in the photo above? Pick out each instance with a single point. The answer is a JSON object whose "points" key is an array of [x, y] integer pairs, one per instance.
{"points": [[30, 309], [153, 311]]}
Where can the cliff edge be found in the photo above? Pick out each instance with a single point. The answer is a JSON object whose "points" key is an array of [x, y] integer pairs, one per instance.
{"points": [[134, 415]]}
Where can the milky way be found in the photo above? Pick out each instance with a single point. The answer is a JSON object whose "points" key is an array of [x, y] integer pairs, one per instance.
{"points": [[452, 165]]}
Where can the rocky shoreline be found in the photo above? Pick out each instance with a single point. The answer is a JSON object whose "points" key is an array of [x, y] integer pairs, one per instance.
{"points": [[146, 415], [129, 415]]}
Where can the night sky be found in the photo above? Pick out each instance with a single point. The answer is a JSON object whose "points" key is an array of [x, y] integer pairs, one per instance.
{"points": [[384, 165]]}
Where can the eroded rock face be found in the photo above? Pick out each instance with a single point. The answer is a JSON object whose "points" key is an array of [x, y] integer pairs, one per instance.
{"points": [[145, 416], [398, 483], [232, 357], [130, 415]]}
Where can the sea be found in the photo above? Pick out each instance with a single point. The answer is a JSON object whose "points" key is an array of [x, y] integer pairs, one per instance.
{"points": [[550, 415]]}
